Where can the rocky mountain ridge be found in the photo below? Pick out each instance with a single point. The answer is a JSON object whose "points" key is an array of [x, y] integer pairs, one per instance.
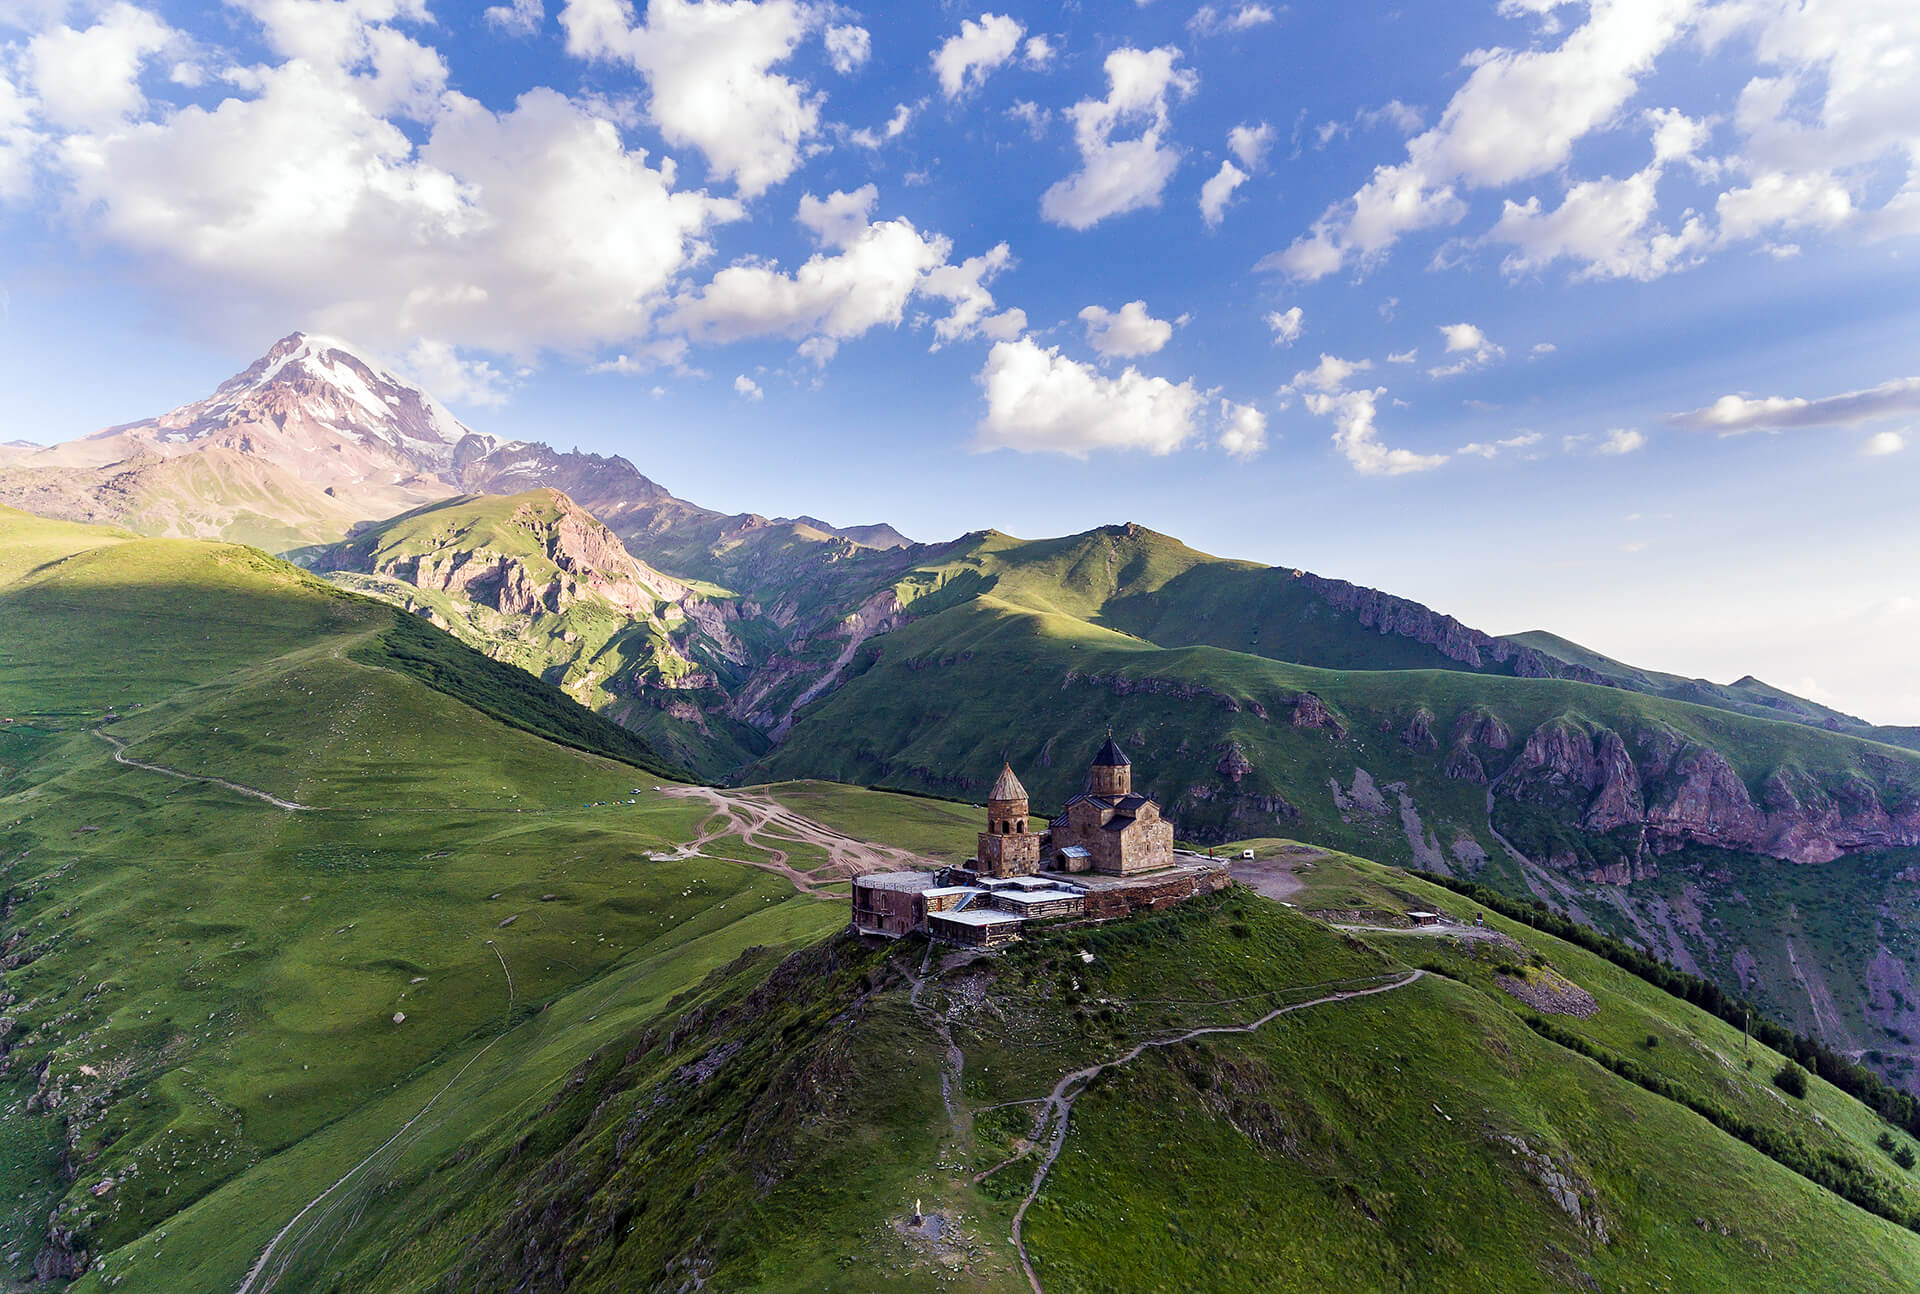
{"points": [[1678, 791]]}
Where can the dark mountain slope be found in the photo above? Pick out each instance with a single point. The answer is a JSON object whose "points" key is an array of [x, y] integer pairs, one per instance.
{"points": [[1745, 696]]}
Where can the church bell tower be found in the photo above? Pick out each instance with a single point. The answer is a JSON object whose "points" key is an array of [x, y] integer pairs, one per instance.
{"points": [[1007, 847]]}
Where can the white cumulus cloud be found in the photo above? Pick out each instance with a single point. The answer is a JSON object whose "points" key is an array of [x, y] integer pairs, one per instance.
{"points": [[1243, 429], [964, 62], [838, 218], [1518, 116], [519, 18], [1038, 400], [1356, 437], [710, 79], [1287, 325], [847, 47], [89, 79], [1329, 375], [1471, 345], [301, 197], [1129, 331], [896, 126], [1607, 227], [863, 278], [1882, 443], [1250, 143], [1621, 440], [1210, 21], [747, 388], [438, 367], [1492, 449], [1121, 175], [1218, 191]]}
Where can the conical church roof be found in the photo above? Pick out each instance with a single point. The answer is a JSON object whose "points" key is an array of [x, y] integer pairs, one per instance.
{"points": [[1007, 786], [1111, 756]]}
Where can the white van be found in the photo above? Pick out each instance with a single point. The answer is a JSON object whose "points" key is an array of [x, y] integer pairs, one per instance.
{"points": [[1247, 854]]}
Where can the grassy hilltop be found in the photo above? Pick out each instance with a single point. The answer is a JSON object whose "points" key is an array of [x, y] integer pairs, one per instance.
{"points": [[200, 986], [774, 1129]]}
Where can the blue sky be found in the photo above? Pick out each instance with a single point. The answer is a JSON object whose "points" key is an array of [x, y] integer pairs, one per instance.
{"points": [[1593, 317]]}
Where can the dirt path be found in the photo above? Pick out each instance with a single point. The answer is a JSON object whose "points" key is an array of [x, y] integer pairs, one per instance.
{"points": [[120, 754], [258, 1277], [952, 1060], [1060, 1101], [1456, 932], [758, 821]]}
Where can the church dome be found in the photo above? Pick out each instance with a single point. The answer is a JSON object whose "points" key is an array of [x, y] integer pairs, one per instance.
{"points": [[1007, 786], [1111, 756]]}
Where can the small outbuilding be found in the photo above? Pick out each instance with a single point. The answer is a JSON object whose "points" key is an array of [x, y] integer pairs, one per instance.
{"points": [[892, 903], [975, 927], [1424, 918]]}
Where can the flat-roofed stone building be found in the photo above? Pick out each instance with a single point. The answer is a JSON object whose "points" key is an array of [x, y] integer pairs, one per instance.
{"points": [[976, 927], [893, 903]]}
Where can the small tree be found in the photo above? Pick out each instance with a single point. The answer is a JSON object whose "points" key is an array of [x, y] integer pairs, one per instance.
{"points": [[1904, 1156], [1885, 1141], [1792, 1080]]}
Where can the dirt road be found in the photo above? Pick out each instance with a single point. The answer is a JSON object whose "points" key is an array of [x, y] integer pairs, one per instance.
{"points": [[120, 754], [759, 821]]}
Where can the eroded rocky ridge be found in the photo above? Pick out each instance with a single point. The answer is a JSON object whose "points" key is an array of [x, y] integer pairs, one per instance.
{"points": [[1654, 790], [1386, 614]]}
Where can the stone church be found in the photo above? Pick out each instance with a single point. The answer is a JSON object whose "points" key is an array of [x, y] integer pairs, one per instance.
{"points": [[1106, 829]]}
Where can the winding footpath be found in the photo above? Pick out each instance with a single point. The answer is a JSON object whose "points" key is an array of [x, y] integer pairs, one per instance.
{"points": [[120, 755], [1060, 1101], [258, 1277]]}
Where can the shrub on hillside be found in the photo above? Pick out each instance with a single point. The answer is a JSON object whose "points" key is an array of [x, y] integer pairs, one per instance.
{"points": [[1791, 1079], [1904, 1156]]}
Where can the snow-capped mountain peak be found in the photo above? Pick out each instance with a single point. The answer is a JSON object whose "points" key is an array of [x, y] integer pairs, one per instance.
{"points": [[331, 383]]}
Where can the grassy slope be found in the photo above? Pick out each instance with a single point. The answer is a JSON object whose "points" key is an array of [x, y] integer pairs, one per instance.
{"points": [[936, 704], [1155, 588], [1746, 696], [775, 1138], [950, 692], [583, 649], [203, 984]]}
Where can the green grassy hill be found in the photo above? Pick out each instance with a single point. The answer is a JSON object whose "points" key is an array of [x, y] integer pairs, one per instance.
{"points": [[1446, 768], [777, 1127], [1745, 696], [534, 581], [380, 967], [200, 986]]}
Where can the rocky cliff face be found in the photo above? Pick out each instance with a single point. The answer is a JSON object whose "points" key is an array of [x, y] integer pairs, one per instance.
{"points": [[1387, 614], [1666, 791]]}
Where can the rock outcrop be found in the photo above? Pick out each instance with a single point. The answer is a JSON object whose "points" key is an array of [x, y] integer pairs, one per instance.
{"points": [[1670, 791], [1401, 617]]}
